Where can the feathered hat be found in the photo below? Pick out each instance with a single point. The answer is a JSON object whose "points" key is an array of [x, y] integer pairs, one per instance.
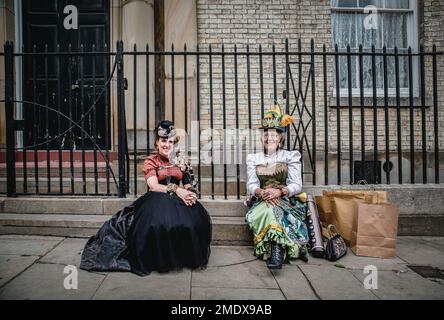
{"points": [[275, 119]]}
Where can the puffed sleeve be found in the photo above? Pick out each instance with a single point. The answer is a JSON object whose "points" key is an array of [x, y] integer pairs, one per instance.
{"points": [[150, 167], [294, 179], [252, 180]]}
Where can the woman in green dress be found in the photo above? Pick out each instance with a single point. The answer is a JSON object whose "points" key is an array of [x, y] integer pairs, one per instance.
{"points": [[277, 208]]}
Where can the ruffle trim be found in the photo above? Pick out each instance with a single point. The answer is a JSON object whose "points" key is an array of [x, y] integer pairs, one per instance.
{"points": [[291, 250]]}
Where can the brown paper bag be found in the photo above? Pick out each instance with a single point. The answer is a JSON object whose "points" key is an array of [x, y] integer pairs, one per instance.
{"points": [[340, 207], [324, 208], [375, 230], [344, 209], [321, 204], [377, 196]]}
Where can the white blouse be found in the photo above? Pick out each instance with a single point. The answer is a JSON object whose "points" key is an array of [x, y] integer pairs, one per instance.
{"points": [[291, 158]]}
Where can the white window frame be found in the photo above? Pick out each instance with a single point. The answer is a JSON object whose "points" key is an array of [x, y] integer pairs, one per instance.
{"points": [[412, 40]]}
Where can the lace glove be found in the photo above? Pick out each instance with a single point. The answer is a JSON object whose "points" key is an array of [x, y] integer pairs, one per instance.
{"points": [[171, 188]]}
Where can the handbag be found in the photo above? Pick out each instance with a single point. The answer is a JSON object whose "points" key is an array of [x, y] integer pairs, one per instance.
{"points": [[335, 248]]}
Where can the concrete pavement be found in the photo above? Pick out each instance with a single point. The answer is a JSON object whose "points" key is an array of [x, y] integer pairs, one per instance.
{"points": [[32, 267]]}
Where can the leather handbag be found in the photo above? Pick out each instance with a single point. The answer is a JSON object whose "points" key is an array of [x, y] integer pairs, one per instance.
{"points": [[335, 248]]}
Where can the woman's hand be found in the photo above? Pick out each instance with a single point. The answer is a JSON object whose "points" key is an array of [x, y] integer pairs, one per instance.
{"points": [[271, 194], [188, 197], [273, 202]]}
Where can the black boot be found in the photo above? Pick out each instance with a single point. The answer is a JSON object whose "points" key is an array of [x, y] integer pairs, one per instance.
{"points": [[277, 255], [303, 255]]}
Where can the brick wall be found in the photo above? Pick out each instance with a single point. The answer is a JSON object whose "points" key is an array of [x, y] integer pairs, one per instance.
{"points": [[255, 23], [431, 26], [264, 23]]}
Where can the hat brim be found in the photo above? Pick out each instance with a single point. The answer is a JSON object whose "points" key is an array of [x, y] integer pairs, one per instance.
{"points": [[268, 128], [175, 136]]}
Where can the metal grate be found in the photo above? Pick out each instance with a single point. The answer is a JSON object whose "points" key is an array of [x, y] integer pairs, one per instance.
{"points": [[428, 271]]}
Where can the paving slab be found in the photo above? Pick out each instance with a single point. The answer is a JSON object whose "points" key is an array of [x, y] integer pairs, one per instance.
{"points": [[29, 237], [50, 231], [404, 286], [352, 261], [435, 242], [226, 255], [12, 265], [46, 281], [293, 284], [68, 252], [418, 252], [31, 267], [198, 293], [332, 283], [439, 240], [123, 286], [26, 246], [253, 274]]}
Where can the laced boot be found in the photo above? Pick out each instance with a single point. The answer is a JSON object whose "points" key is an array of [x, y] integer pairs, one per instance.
{"points": [[277, 255]]}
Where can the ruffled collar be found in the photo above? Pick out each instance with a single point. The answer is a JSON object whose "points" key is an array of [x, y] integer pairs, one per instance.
{"points": [[270, 155]]}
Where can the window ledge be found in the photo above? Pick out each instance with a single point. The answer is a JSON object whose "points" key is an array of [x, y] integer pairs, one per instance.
{"points": [[380, 102]]}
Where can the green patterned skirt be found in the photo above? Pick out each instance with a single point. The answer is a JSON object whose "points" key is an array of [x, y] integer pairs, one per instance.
{"points": [[283, 224]]}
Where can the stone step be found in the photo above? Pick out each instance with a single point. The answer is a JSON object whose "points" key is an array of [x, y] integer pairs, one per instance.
{"points": [[226, 230], [419, 199], [103, 206], [420, 206]]}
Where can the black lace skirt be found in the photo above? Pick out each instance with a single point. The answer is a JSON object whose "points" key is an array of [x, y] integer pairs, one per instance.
{"points": [[157, 232]]}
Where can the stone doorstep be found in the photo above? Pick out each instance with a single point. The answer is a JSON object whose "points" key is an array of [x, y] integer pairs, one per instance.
{"points": [[81, 221], [226, 230]]}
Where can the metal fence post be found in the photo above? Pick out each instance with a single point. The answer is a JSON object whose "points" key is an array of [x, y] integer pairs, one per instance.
{"points": [[9, 113], [121, 119]]}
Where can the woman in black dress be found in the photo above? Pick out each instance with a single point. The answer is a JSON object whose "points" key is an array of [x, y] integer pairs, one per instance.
{"points": [[165, 229]]}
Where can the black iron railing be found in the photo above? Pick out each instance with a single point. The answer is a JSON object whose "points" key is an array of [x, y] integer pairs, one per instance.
{"points": [[358, 114]]}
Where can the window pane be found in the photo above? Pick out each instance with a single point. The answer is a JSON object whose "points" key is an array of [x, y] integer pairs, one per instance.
{"points": [[365, 3], [343, 72], [369, 32], [395, 30], [344, 3], [403, 72], [397, 4], [344, 29], [390, 29], [369, 36]]}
